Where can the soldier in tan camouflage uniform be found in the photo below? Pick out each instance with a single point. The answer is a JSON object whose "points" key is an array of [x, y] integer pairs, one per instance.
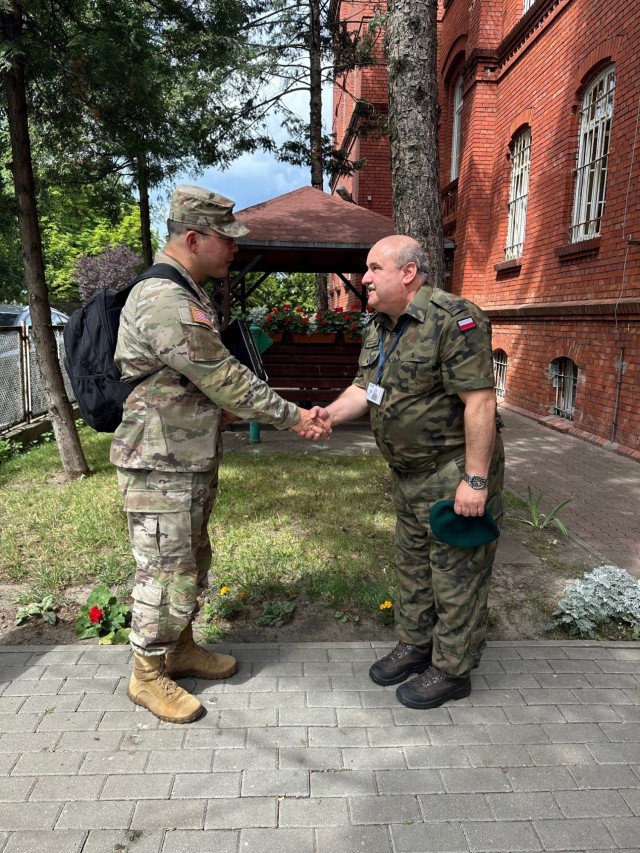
{"points": [[167, 447], [426, 377]]}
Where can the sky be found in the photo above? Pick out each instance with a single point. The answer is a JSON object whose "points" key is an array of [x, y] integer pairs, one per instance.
{"points": [[253, 178]]}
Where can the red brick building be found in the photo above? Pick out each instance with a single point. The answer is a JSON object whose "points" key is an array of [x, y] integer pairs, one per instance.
{"points": [[540, 159]]}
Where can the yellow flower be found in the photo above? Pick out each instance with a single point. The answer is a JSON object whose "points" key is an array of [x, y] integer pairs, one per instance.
{"points": [[386, 605], [224, 590]]}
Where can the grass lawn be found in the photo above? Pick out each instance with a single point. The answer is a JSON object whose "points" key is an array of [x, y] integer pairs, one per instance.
{"points": [[284, 527]]}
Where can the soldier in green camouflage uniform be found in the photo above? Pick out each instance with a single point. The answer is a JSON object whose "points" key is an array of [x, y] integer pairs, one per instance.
{"points": [[426, 376], [167, 447]]}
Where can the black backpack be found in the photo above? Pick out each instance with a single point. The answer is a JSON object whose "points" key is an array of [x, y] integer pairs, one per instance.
{"points": [[90, 337]]}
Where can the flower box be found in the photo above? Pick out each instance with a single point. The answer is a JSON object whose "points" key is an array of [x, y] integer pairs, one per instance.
{"points": [[314, 338]]}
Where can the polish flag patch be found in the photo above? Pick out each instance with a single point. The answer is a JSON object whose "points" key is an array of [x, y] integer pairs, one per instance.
{"points": [[466, 324], [200, 316]]}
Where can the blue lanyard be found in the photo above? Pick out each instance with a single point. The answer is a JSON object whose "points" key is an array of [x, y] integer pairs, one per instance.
{"points": [[382, 360]]}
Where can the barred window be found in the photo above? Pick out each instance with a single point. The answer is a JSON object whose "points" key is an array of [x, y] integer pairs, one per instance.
{"points": [[527, 5], [500, 371], [564, 375], [456, 135], [518, 194], [592, 157]]}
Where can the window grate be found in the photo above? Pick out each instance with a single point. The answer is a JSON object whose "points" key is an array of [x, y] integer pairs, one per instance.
{"points": [[500, 371], [592, 157], [456, 135], [527, 5], [564, 374], [518, 195]]}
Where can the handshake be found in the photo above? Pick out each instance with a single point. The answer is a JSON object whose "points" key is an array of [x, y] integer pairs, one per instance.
{"points": [[313, 424]]}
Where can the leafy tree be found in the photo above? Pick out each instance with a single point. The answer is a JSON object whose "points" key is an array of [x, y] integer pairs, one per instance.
{"points": [[114, 267], [72, 227], [74, 222], [411, 43], [144, 89], [13, 75], [11, 277], [300, 48], [113, 87], [295, 288]]}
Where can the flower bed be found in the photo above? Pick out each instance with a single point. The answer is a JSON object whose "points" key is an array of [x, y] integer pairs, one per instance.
{"points": [[298, 320]]}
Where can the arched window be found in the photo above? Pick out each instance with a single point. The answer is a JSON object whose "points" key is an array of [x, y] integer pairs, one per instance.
{"points": [[456, 129], [564, 375], [592, 157], [500, 371], [518, 194]]}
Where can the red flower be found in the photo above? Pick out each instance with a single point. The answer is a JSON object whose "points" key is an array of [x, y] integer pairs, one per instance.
{"points": [[339, 310], [286, 307], [299, 310], [304, 319], [95, 615], [287, 319], [269, 318]]}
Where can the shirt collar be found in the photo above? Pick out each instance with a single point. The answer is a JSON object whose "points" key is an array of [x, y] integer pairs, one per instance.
{"points": [[417, 309]]}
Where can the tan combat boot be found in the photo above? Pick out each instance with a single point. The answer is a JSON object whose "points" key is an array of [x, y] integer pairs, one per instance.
{"points": [[150, 687], [189, 660]]}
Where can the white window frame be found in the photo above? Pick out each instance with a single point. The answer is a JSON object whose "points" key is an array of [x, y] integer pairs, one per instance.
{"points": [[564, 377], [456, 128], [592, 157], [518, 194], [500, 362]]}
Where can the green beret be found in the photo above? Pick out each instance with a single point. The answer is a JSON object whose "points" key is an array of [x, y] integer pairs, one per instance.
{"points": [[462, 531]]}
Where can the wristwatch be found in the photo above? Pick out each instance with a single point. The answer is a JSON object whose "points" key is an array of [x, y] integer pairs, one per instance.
{"points": [[475, 481]]}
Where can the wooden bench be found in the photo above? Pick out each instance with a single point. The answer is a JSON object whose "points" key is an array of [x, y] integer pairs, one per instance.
{"points": [[309, 373]]}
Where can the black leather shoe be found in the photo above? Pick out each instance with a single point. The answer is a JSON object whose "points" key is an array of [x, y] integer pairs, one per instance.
{"points": [[432, 688], [400, 663]]}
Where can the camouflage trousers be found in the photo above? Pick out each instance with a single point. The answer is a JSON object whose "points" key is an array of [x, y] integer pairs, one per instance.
{"points": [[442, 590], [168, 515]]}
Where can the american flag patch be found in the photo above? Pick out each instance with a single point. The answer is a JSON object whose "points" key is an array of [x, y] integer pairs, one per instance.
{"points": [[466, 324], [200, 316]]}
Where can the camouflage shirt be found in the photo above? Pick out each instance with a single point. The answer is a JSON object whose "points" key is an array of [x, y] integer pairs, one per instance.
{"points": [[171, 418], [445, 348]]}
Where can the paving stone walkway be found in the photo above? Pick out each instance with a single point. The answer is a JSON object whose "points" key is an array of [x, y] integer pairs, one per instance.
{"points": [[301, 753]]}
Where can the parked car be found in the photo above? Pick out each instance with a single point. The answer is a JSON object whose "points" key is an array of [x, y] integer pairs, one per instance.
{"points": [[14, 315]]}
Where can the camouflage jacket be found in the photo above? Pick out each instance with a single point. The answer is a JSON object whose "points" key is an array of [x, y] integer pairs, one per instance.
{"points": [[171, 418], [445, 348]]}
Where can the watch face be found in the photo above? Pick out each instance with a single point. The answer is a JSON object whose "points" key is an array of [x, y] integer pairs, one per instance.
{"points": [[476, 481]]}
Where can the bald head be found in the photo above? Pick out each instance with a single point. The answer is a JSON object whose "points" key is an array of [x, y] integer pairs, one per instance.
{"points": [[396, 270], [405, 250]]}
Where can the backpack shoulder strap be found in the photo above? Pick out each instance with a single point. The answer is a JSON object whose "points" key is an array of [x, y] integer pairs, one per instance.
{"points": [[163, 271]]}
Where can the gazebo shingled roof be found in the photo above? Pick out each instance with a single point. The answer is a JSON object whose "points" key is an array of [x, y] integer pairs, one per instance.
{"points": [[307, 230]]}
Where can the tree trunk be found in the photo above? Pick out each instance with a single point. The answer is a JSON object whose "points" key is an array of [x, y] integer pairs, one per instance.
{"points": [[411, 43], [145, 215], [60, 410], [315, 94], [315, 127]]}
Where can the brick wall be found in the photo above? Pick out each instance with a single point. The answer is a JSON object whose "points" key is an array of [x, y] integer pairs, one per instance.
{"points": [[532, 70]]}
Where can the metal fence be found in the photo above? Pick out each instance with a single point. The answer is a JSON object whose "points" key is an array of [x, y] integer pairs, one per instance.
{"points": [[22, 394]]}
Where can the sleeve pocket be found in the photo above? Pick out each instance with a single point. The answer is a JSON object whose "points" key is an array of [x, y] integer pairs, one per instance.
{"points": [[203, 344]]}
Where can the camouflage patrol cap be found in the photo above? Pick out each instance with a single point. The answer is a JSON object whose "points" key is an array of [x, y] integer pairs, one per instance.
{"points": [[461, 531], [199, 206]]}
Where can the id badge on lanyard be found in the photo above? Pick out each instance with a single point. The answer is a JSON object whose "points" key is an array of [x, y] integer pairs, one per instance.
{"points": [[375, 391]]}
